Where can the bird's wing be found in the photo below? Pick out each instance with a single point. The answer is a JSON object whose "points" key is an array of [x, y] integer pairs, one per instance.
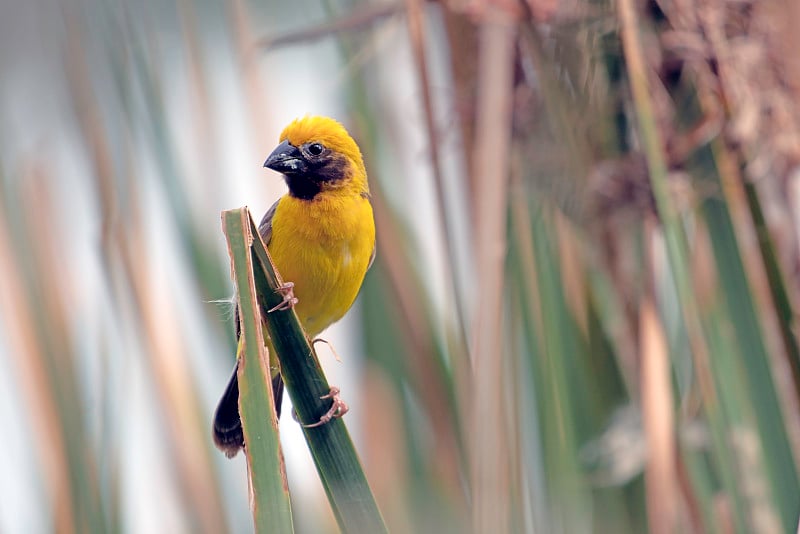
{"points": [[265, 227]]}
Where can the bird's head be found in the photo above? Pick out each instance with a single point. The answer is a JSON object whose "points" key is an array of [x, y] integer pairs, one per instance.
{"points": [[317, 155]]}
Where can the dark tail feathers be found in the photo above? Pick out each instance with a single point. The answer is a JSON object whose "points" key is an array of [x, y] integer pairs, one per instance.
{"points": [[228, 435]]}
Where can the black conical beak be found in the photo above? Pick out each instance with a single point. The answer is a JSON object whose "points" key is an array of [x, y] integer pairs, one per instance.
{"points": [[286, 159]]}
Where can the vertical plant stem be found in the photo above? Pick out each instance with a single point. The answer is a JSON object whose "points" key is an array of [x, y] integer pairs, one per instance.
{"points": [[272, 511], [677, 245], [658, 417], [490, 489], [416, 30]]}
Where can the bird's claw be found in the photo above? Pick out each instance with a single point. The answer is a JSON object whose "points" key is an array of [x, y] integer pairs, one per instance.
{"points": [[289, 300], [330, 346], [338, 409]]}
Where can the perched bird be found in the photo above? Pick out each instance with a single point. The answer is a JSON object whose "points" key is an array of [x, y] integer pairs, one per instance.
{"points": [[321, 236]]}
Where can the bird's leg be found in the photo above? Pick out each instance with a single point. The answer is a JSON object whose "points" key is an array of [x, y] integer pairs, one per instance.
{"points": [[338, 409], [330, 346], [289, 300]]}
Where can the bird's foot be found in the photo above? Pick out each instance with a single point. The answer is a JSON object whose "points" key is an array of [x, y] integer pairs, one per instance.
{"points": [[289, 300], [337, 409]]}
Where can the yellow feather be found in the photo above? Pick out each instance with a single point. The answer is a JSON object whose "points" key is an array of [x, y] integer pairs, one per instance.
{"points": [[324, 247]]}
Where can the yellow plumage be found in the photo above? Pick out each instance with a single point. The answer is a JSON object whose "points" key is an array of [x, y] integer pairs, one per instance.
{"points": [[321, 236], [324, 247]]}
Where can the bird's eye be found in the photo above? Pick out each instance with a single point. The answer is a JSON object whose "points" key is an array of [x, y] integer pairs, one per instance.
{"points": [[315, 149]]}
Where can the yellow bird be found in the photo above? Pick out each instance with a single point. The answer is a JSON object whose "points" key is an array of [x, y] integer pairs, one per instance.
{"points": [[321, 236]]}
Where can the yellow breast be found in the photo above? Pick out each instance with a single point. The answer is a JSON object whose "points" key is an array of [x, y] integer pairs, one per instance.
{"points": [[323, 246]]}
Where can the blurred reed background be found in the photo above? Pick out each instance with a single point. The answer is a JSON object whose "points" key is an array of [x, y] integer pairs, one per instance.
{"points": [[582, 314]]}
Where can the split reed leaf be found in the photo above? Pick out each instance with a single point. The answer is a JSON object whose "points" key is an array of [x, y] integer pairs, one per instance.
{"points": [[272, 511]]}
